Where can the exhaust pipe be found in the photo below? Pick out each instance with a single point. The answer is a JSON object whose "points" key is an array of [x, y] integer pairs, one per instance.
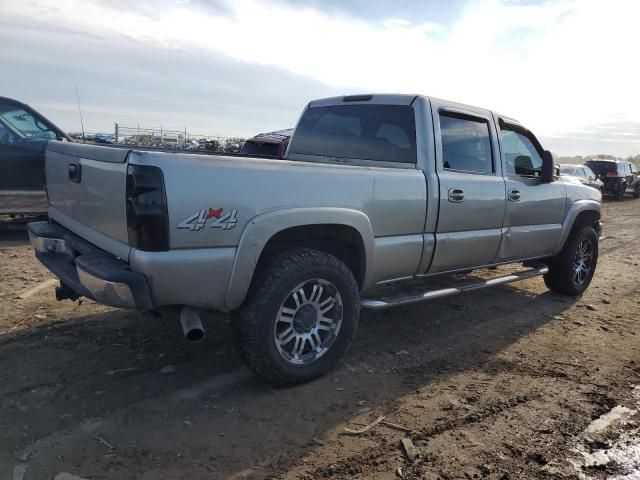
{"points": [[191, 324], [65, 292]]}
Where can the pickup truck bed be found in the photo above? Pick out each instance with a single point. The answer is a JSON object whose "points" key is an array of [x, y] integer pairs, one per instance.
{"points": [[374, 189]]}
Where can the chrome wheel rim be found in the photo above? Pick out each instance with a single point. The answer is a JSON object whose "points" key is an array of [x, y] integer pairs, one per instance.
{"points": [[308, 321], [583, 262]]}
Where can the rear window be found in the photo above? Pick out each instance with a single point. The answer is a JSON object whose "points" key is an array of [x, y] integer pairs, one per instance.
{"points": [[384, 133], [602, 167], [267, 149], [466, 144], [567, 169]]}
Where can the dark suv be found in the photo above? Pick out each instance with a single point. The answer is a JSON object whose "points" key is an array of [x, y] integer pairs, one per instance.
{"points": [[619, 177], [272, 144]]}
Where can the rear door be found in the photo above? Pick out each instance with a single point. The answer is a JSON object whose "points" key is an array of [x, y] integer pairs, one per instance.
{"points": [[86, 185], [631, 179], [592, 181], [535, 210], [581, 175], [472, 191], [634, 177]]}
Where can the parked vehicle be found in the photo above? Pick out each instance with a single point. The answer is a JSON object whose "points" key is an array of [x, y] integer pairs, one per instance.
{"points": [[583, 174], [108, 138], [272, 144], [24, 135], [619, 177], [375, 189]]}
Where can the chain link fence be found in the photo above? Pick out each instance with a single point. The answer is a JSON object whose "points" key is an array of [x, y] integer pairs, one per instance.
{"points": [[170, 139]]}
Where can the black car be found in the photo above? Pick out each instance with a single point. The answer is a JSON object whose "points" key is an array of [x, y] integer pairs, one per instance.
{"points": [[272, 144], [24, 135], [619, 177]]}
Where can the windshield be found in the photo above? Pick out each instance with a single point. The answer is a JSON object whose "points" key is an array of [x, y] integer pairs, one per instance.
{"points": [[365, 132], [23, 125]]}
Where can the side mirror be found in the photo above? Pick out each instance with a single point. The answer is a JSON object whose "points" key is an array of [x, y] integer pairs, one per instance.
{"points": [[547, 167]]}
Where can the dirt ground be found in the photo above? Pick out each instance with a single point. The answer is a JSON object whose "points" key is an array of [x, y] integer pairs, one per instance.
{"points": [[499, 384]]}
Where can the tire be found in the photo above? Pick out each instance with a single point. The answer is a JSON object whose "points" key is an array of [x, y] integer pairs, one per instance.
{"points": [[287, 312], [636, 191], [563, 277], [619, 194]]}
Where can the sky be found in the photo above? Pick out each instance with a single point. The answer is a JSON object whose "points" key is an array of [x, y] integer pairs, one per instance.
{"points": [[567, 69]]}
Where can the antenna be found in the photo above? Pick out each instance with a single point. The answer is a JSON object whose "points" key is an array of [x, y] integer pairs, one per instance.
{"points": [[80, 110]]}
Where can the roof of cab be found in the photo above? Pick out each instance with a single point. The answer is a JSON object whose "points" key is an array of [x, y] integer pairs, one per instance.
{"points": [[390, 99], [378, 98]]}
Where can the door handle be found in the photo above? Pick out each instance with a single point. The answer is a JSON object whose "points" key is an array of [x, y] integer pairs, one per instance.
{"points": [[75, 172], [456, 195], [514, 195]]}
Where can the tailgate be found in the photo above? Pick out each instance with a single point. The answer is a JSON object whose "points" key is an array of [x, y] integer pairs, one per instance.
{"points": [[86, 186]]}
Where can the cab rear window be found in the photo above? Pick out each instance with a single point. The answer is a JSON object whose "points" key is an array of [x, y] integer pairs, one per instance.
{"points": [[385, 133]]}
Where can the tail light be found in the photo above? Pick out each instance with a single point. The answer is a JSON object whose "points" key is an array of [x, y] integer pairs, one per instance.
{"points": [[147, 218], [612, 175]]}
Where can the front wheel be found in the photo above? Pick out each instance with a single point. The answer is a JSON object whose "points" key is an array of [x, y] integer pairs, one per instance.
{"points": [[299, 317], [571, 271]]}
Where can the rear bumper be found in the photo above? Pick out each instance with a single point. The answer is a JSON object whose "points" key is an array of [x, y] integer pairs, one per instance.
{"points": [[613, 185], [87, 270]]}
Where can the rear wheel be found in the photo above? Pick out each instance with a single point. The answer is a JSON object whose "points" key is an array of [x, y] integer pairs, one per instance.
{"points": [[299, 317], [571, 271], [636, 191], [619, 194]]}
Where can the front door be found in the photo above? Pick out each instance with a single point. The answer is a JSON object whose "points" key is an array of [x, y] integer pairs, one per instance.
{"points": [[472, 192], [535, 210], [23, 140]]}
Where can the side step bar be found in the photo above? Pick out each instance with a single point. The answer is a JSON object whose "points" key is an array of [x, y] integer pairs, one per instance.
{"points": [[384, 303]]}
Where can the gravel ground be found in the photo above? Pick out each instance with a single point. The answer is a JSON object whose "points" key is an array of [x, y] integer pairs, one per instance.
{"points": [[500, 384]]}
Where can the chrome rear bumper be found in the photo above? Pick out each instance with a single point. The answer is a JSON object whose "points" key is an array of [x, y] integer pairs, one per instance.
{"points": [[87, 270]]}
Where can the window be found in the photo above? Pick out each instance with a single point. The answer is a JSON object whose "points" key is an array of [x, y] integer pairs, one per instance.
{"points": [[634, 169], [7, 137], [602, 167], [260, 148], [365, 132], [568, 169], [589, 172], [466, 144], [520, 155], [18, 125]]}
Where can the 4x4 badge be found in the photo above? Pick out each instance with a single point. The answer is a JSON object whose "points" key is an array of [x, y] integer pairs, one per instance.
{"points": [[199, 219]]}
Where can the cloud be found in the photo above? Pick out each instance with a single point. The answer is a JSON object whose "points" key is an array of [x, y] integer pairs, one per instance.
{"points": [[136, 83], [558, 66]]}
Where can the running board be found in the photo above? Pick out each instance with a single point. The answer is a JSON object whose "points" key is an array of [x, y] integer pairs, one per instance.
{"points": [[384, 303]]}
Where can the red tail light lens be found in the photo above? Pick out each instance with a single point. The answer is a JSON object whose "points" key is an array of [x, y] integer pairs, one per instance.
{"points": [[612, 175]]}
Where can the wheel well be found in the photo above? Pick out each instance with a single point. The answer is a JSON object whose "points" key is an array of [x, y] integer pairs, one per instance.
{"points": [[342, 241], [588, 217]]}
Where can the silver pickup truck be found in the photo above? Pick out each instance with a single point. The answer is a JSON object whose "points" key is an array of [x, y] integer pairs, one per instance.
{"points": [[374, 189]]}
